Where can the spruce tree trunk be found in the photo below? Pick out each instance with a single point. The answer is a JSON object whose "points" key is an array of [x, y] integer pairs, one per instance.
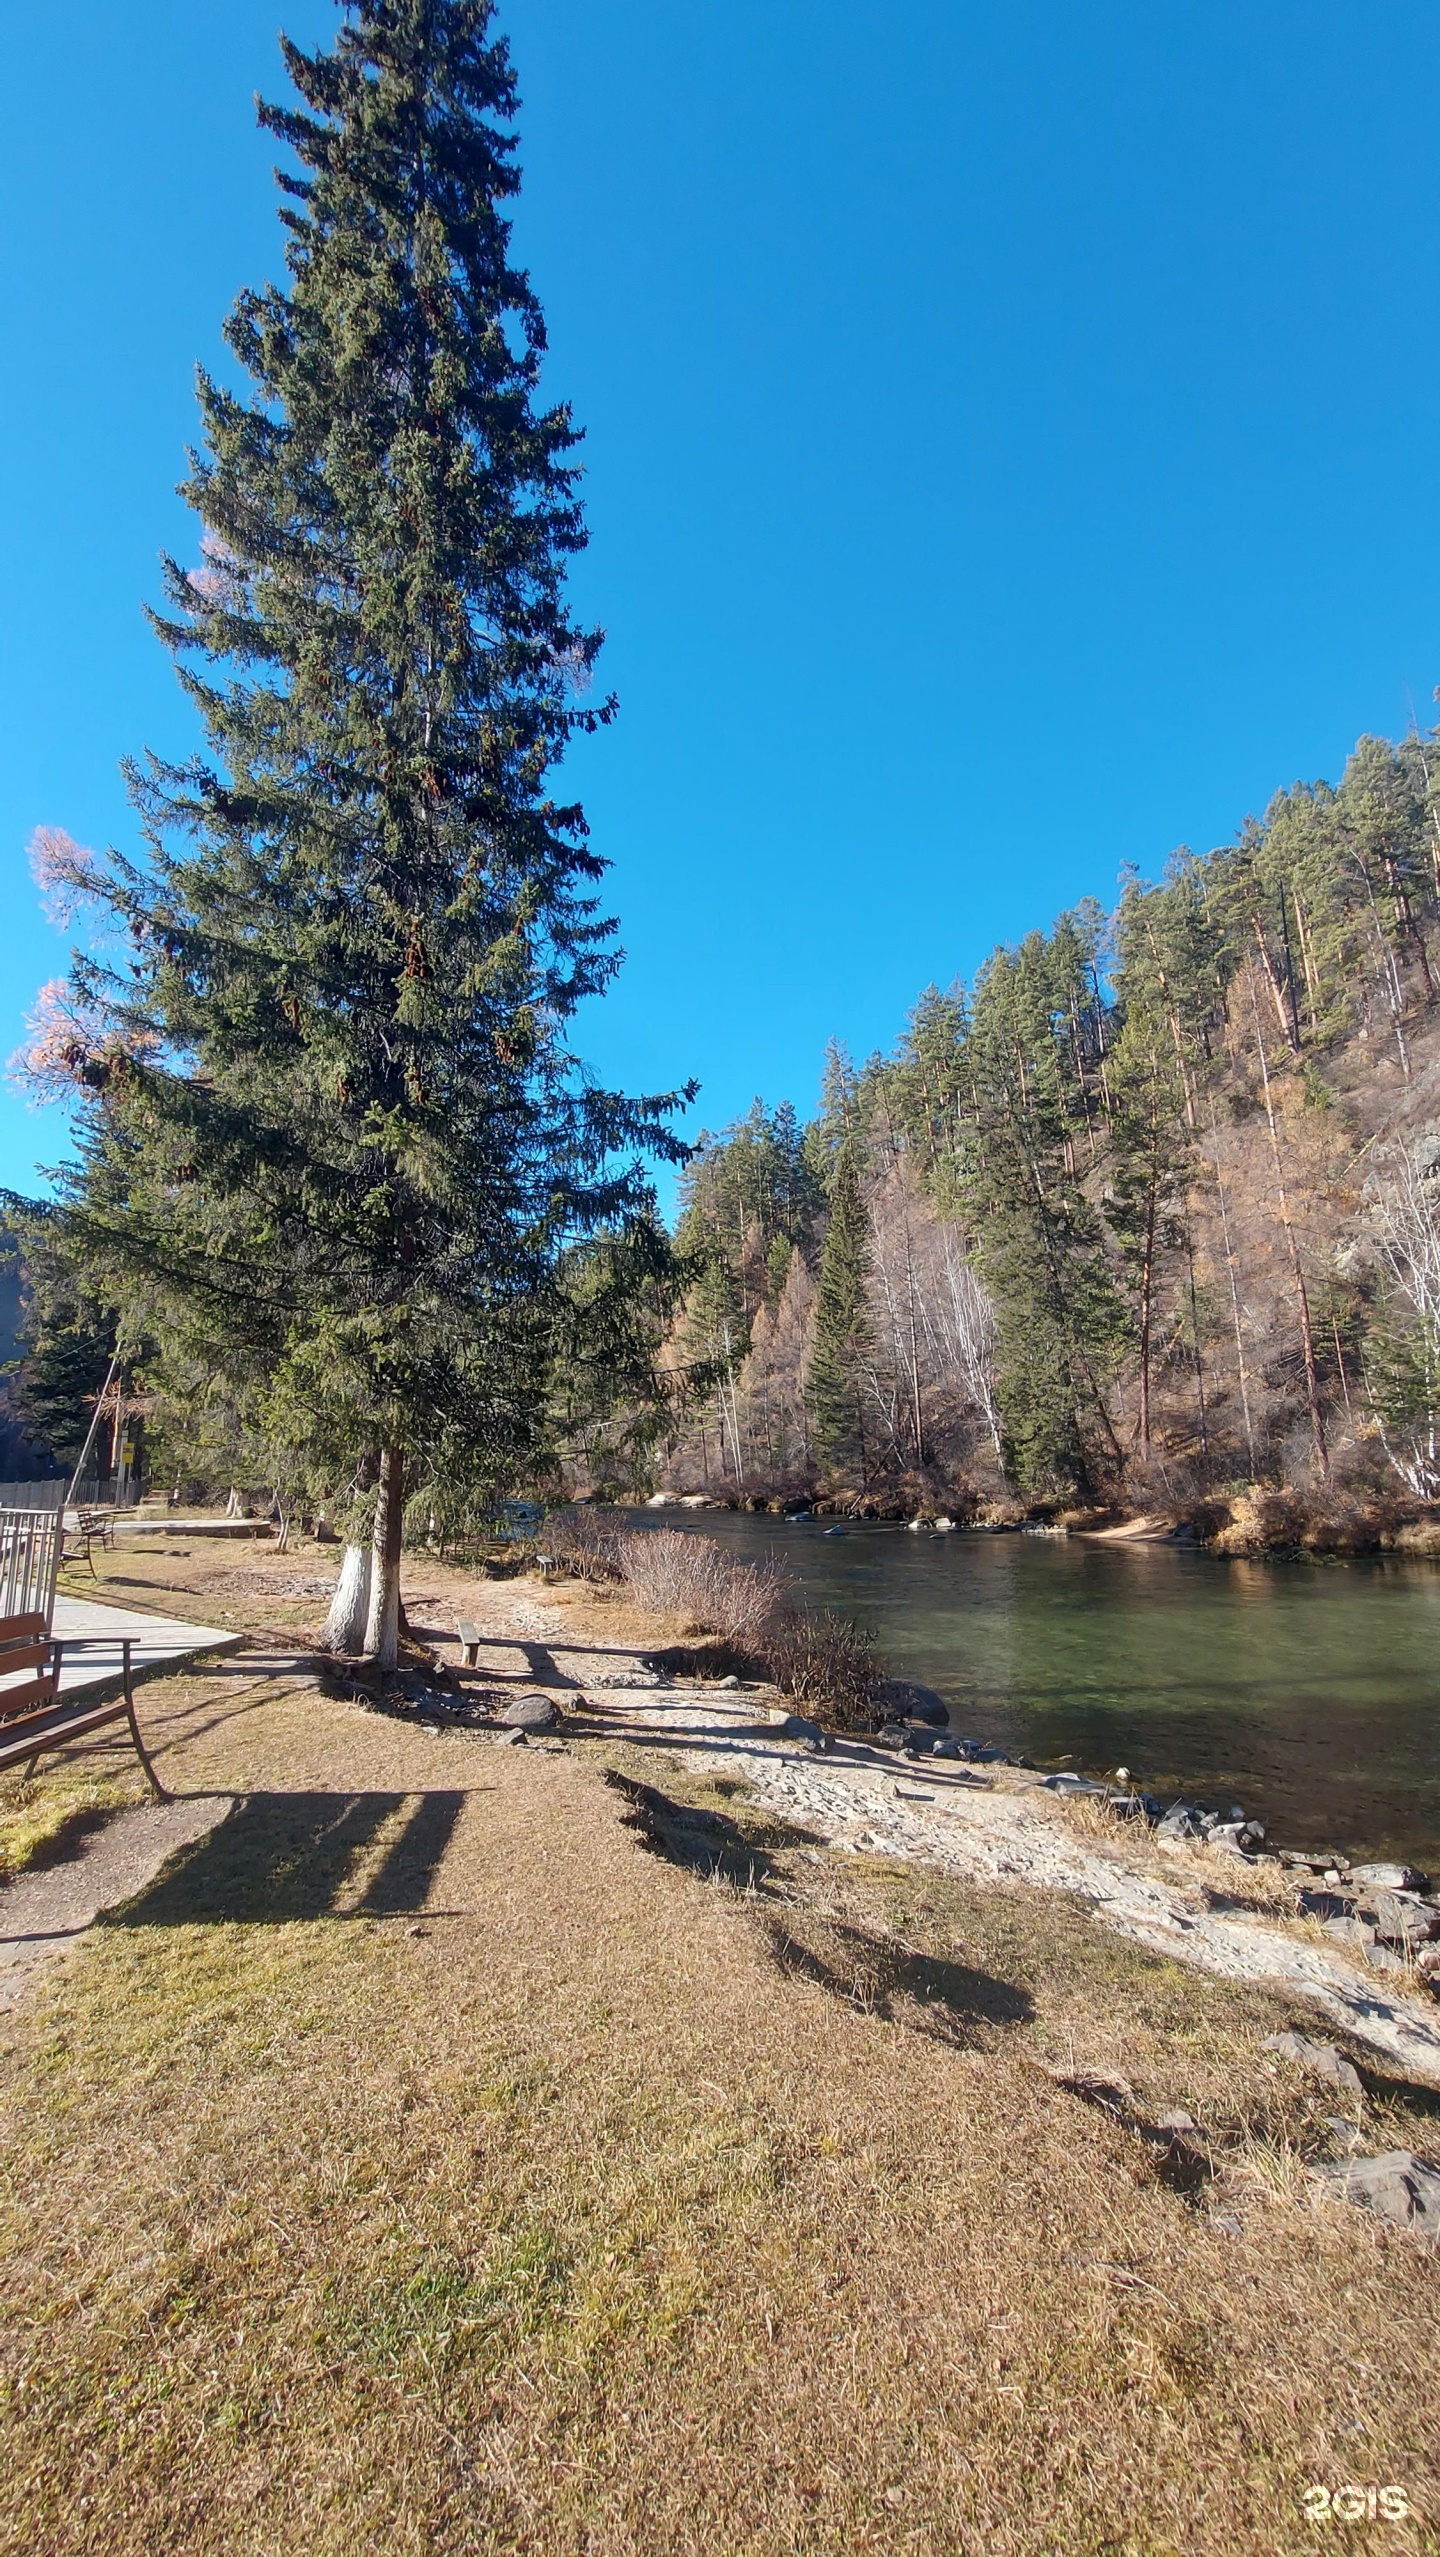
{"points": [[344, 1629], [382, 1631]]}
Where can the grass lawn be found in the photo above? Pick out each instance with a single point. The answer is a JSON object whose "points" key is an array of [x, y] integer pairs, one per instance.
{"points": [[425, 2162]]}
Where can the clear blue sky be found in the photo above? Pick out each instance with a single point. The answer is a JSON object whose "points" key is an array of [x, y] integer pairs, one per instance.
{"points": [[1011, 454]]}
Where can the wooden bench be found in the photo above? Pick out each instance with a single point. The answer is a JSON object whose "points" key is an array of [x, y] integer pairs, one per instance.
{"points": [[35, 1717], [468, 1636], [92, 1527]]}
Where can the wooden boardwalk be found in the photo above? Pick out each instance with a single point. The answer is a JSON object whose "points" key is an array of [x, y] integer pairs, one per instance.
{"points": [[158, 1643]]}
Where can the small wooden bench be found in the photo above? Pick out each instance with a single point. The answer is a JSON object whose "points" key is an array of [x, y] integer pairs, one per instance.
{"points": [[92, 1527], [468, 1636], [35, 1717]]}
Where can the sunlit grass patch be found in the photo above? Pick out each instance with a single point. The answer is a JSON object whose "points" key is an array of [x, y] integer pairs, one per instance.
{"points": [[46, 1815]]}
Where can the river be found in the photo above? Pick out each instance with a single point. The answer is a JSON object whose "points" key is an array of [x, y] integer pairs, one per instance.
{"points": [[1308, 1692]]}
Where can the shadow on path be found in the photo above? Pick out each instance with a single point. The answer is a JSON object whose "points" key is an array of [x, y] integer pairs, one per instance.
{"points": [[283, 1856]]}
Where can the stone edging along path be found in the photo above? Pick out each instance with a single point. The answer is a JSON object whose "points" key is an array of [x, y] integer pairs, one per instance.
{"points": [[999, 1827]]}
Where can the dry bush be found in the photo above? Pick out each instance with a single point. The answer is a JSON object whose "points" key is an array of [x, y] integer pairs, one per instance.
{"points": [[586, 1543], [821, 1661], [827, 1662], [693, 1577]]}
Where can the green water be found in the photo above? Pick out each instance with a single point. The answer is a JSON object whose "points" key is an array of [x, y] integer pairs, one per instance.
{"points": [[1309, 1693]]}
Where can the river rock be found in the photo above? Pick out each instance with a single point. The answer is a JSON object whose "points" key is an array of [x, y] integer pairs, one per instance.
{"points": [[1066, 1785], [1236, 1837], [796, 1727], [1387, 1877], [1318, 2059], [531, 1713], [1399, 2188], [1402, 1921], [1135, 1806], [1182, 1820], [907, 1701], [1380, 1958], [1354, 1932]]}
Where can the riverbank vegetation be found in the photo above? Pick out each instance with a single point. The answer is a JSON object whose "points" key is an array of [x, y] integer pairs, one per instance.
{"points": [[1148, 1215], [750, 1613]]}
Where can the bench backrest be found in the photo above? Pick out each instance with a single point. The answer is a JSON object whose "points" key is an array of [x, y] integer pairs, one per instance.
{"points": [[27, 1664]]}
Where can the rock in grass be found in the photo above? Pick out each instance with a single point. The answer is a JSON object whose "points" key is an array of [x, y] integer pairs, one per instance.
{"points": [[531, 1713], [1387, 1877], [1320, 2059], [1399, 2187], [1322, 1904], [1380, 1958]]}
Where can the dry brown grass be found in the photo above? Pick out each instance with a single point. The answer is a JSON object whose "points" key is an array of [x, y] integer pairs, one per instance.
{"points": [[630, 2201], [45, 1816]]}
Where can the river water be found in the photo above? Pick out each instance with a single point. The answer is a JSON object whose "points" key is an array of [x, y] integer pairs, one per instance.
{"points": [[1307, 1692]]}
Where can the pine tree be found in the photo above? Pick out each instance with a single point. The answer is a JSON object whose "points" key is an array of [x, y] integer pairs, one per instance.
{"points": [[840, 1343], [1034, 1233], [1150, 1160], [337, 1143]]}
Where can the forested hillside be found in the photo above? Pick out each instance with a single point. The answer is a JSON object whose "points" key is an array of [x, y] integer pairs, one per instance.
{"points": [[1150, 1211]]}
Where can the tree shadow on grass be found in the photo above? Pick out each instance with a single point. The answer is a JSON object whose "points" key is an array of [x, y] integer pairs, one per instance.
{"points": [[875, 1974], [283, 1856], [879, 1976], [709, 1842]]}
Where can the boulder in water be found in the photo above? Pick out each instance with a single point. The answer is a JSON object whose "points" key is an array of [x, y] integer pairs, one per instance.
{"points": [[905, 1700]]}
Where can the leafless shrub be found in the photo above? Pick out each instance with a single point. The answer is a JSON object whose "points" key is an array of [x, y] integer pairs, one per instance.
{"points": [[586, 1543], [826, 1662], [823, 1662], [693, 1577]]}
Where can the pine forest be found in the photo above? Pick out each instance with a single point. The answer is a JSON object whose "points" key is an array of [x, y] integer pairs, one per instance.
{"points": [[1148, 1213]]}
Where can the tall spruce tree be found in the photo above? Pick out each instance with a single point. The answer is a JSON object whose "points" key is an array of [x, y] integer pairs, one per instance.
{"points": [[337, 1142], [1036, 1238], [840, 1342]]}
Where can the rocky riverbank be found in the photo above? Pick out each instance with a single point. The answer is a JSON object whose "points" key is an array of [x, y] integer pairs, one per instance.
{"points": [[1254, 1521]]}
